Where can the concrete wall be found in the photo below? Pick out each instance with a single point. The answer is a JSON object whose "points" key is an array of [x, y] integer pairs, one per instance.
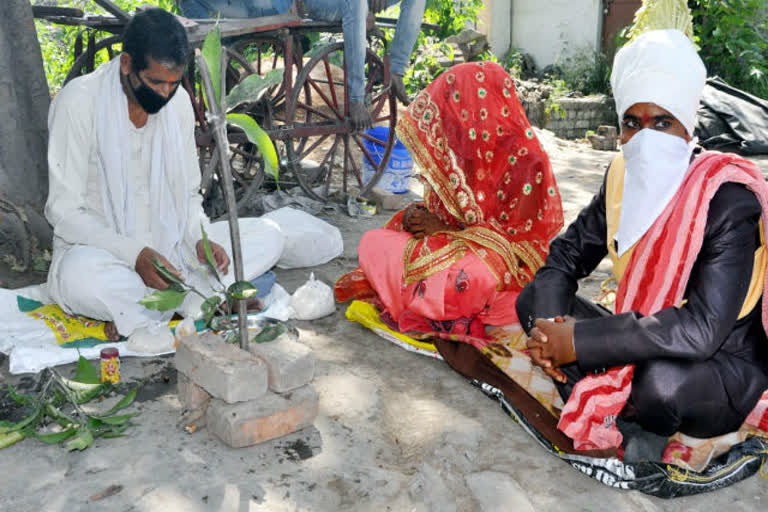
{"points": [[574, 117], [494, 22], [553, 29]]}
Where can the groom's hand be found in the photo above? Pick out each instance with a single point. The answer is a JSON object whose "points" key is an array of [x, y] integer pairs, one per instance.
{"points": [[220, 256], [145, 267]]}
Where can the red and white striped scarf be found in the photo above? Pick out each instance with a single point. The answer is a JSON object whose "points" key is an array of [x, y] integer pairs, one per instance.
{"points": [[656, 278]]}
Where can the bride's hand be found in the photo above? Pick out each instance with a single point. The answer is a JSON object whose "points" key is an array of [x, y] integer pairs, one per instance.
{"points": [[420, 222]]}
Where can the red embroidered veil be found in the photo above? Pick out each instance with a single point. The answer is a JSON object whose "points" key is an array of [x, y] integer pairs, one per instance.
{"points": [[485, 173]]}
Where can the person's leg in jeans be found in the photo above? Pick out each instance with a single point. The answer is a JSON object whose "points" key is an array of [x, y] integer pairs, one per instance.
{"points": [[203, 9], [352, 14], [406, 34]]}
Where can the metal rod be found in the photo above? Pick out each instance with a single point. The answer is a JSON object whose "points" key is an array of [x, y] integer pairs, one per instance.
{"points": [[222, 144]]}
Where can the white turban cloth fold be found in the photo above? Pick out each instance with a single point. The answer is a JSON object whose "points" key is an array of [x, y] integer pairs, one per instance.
{"points": [[661, 67]]}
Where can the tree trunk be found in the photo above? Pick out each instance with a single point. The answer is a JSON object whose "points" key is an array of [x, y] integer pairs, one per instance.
{"points": [[24, 100]]}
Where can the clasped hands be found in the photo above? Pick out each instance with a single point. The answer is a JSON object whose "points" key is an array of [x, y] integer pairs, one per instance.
{"points": [[550, 345], [420, 222], [145, 264]]}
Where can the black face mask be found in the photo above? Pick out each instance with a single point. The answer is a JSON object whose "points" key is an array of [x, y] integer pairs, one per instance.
{"points": [[148, 99]]}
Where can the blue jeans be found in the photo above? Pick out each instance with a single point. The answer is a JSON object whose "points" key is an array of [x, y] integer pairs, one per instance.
{"points": [[352, 13]]}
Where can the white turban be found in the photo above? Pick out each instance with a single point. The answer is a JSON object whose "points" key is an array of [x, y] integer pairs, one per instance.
{"points": [[661, 67]]}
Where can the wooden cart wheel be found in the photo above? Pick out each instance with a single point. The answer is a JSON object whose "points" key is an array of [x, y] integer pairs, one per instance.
{"points": [[258, 56], [319, 130], [85, 63]]}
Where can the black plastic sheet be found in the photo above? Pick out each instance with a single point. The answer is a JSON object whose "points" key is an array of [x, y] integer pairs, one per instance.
{"points": [[732, 120]]}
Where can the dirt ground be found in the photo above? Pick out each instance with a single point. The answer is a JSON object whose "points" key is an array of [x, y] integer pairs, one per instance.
{"points": [[396, 431]]}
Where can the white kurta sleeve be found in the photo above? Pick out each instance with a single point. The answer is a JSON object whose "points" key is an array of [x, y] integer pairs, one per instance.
{"points": [[71, 139], [196, 215]]}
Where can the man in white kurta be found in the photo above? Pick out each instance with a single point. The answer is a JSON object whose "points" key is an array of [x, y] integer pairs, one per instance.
{"points": [[124, 186]]}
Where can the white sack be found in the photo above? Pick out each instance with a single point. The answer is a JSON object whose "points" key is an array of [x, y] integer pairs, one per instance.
{"points": [[313, 300], [309, 241]]}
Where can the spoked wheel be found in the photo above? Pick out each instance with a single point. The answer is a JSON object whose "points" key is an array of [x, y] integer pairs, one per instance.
{"points": [[95, 51], [255, 57], [323, 153]]}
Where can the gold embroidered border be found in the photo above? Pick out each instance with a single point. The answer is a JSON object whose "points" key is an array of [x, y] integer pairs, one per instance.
{"points": [[494, 241], [499, 245], [534, 260], [409, 136], [425, 266], [491, 269]]}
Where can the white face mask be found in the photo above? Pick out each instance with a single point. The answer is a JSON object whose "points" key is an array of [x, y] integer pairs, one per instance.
{"points": [[655, 163]]}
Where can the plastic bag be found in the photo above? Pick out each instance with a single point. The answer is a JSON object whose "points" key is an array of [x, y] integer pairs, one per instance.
{"points": [[313, 300], [155, 338], [309, 241]]}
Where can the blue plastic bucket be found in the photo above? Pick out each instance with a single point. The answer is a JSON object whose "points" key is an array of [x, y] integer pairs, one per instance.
{"points": [[398, 171]]}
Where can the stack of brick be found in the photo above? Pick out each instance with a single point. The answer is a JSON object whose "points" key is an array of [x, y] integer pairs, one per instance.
{"points": [[247, 397]]}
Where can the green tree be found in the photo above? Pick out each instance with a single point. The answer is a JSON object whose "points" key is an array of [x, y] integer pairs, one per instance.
{"points": [[733, 37]]}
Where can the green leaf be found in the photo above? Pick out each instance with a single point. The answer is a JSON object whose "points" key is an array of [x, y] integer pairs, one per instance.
{"points": [[33, 419], [269, 333], [258, 137], [209, 253], [82, 440], [118, 420], [10, 438], [86, 372], [212, 54], [58, 416], [86, 395], [56, 437], [164, 300], [241, 290], [252, 88], [166, 273], [111, 434], [209, 308], [20, 398], [124, 402]]}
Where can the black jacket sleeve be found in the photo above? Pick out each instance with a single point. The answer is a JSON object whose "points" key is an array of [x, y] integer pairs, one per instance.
{"points": [[572, 256], [716, 291]]}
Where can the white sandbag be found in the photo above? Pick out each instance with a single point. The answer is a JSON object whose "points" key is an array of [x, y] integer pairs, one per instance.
{"points": [[262, 242], [313, 300], [309, 241]]}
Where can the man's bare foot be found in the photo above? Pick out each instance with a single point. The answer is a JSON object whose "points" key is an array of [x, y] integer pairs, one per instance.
{"points": [[110, 330], [359, 117], [398, 87]]}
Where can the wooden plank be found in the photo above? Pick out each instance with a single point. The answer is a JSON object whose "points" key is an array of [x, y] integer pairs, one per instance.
{"points": [[113, 9], [235, 27]]}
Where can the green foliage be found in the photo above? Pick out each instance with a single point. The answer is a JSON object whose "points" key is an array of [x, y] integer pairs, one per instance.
{"points": [[252, 88], [559, 89], [249, 90], [241, 290], [209, 259], [257, 136], [86, 373], [513, 62], [164, 300], [425, 66], [58, 403], [212, 55], [57, 41], [451, 16], [587, 72], [733, 37]]}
